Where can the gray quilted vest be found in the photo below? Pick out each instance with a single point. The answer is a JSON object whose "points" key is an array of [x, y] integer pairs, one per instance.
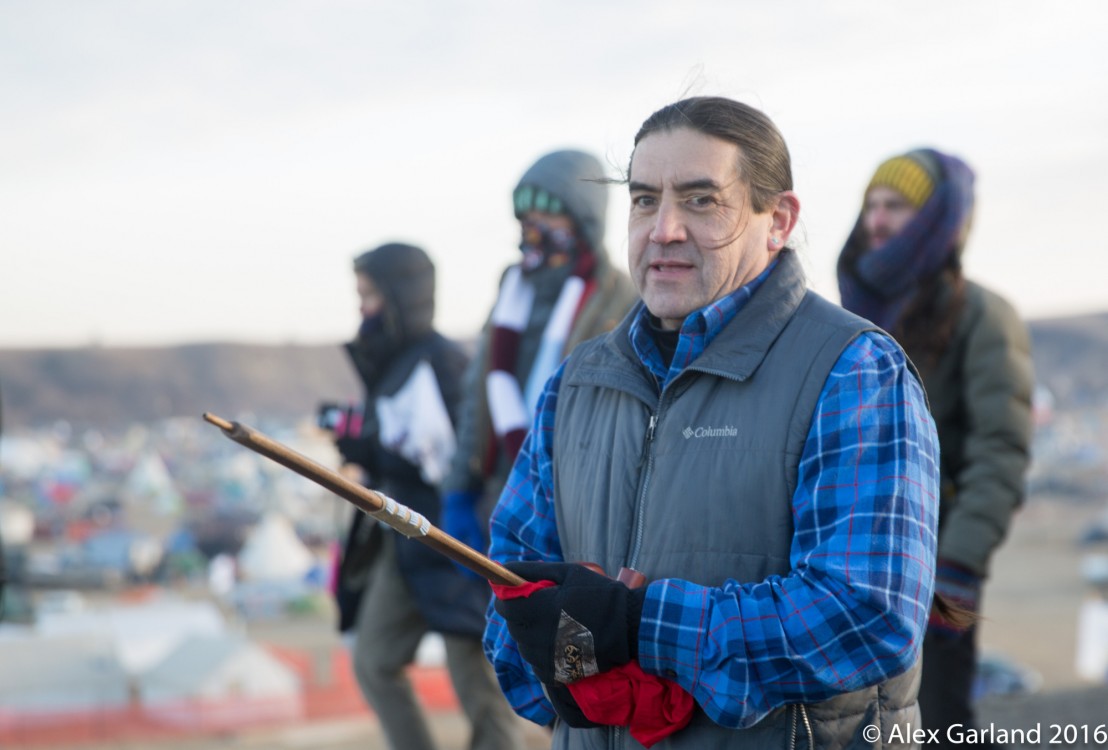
{"points": [[696, 483]]}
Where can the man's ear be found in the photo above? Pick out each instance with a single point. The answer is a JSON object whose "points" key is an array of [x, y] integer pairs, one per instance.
{"points": [[785, 214]]}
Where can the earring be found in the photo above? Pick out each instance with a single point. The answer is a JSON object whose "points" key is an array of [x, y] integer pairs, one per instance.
{"points": [[775, 240]]}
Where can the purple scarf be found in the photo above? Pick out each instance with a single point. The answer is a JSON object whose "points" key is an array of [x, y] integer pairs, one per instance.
{"points": [[878, 284]]}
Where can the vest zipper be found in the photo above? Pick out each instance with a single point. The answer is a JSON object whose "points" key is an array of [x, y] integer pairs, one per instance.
{"points": [[801, 710], [807, 726], [637, 527]]}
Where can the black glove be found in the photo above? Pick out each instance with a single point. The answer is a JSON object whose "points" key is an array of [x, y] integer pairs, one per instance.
{"points": [[358, 450], [566, 707], [586, 624]]}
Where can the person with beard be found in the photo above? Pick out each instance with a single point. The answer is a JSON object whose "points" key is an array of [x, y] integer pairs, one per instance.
{"points": [[561, 292], [392, 590], [901, 268]]}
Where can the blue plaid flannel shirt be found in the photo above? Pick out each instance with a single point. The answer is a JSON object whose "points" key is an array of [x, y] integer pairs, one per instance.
{"points": [[853, 609]]}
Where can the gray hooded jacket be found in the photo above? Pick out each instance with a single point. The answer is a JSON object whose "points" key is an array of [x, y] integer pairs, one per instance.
{"points": [[573, 177]]}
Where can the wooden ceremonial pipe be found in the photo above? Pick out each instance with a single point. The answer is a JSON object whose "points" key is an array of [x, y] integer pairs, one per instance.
{"points": [[382, 507], [414, 526]]}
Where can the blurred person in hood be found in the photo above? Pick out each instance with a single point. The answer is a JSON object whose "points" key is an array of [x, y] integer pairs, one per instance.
{"points": [[563, 290], [392, 590]]}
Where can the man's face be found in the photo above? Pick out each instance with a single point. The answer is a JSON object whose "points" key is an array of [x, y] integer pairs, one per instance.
{"points": [[885, 213], [370, 299], [546, 240], [693, 237]]}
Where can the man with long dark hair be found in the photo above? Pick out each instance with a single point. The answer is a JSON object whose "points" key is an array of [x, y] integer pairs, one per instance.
{"points": [[761, 456]]}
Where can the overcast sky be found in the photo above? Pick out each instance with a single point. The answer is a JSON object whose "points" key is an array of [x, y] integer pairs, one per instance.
{"points": [[198, 170]]}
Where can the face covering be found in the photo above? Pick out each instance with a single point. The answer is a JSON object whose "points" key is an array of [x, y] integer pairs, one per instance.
{"points": [[371, 327], [545, 247]]}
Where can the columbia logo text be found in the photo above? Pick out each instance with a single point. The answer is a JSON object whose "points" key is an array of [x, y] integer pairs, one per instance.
{"points": [[709, 432]]}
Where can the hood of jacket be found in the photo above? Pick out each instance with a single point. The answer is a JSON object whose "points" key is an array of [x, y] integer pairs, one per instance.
{"points": [[577, 179], [406, 277]]}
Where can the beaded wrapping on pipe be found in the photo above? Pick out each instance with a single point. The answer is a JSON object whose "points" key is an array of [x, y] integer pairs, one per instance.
{"points": [[402, 518]]}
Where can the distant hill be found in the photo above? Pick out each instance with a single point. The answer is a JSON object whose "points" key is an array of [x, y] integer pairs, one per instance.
{"points": [[1071, 358], [112, 387]]}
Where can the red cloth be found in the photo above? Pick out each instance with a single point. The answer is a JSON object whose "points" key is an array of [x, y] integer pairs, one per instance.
{"points": [[504, 591], [651, 707]]}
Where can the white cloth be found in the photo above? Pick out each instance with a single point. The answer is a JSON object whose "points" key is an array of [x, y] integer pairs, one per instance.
{"points": [[415, 423], [554, 336], [510, 405]]}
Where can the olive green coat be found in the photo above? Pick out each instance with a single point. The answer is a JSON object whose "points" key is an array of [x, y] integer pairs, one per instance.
{"points": [[980, 395]]}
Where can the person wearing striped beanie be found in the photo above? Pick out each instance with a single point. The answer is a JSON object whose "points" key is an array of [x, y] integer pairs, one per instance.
{"points": [[901, 268]]}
